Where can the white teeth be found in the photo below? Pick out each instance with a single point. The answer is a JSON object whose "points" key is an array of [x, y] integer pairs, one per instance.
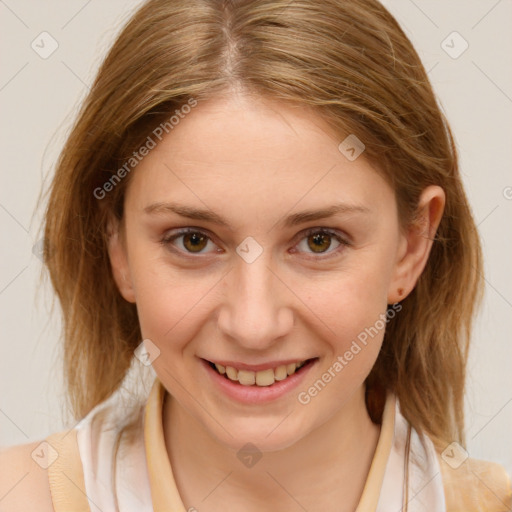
{"points": [[290, 368], [246, 377], [262, 378], [232, 373], [280, 373], [265, 377]]}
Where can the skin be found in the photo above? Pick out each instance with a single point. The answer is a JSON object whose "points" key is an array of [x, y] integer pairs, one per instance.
{"points": [[255, 162]]}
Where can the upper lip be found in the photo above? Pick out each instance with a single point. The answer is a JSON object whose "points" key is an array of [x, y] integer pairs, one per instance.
{"points": [[257, 367]]}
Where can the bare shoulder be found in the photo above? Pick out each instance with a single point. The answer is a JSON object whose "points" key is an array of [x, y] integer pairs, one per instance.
{"points": [[23, 481]]}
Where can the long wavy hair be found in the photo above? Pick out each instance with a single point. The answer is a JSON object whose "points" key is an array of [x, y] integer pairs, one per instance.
{"points": [[347, 60]]}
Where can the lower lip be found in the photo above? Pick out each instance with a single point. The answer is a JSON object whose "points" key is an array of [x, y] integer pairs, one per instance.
{"points": [[258, 394]]}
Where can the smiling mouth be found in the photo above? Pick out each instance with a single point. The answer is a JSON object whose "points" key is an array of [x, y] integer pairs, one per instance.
{"points": [[262, 378]]}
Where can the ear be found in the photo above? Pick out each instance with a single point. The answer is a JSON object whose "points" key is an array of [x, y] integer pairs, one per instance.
{"points": [[416, 243], [119, 259]]}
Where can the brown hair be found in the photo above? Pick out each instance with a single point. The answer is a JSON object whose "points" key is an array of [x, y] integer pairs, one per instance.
{"points": [[346, 60]]}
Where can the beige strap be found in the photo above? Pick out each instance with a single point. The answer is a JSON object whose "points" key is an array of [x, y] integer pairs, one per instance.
{"points": [[372, 488], [65, 474], [476, 486], [164, 493]]}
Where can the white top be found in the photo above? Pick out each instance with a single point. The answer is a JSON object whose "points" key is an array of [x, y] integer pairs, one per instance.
{"points": [[117, 477]]}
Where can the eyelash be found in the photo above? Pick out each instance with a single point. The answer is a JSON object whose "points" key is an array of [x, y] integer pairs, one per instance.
{"points": [[167, 239]]}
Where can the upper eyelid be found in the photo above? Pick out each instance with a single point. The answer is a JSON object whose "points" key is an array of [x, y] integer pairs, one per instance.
{"points": [[177, 232]]}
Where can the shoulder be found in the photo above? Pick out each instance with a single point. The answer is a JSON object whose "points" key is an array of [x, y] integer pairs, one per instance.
{"points": [[24, 482], [474, 485]]}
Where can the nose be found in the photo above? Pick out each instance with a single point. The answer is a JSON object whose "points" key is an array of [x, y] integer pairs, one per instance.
{"points": [[255, 313]]}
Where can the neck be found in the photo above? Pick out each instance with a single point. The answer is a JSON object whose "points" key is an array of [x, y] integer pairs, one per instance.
{"points": [[325, 470]]}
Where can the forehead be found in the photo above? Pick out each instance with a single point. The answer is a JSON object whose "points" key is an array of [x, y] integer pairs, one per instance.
{"points": [[254, 154]]}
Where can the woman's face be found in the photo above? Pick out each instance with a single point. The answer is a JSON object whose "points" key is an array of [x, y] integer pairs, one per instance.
{"points": [[292, 254]]}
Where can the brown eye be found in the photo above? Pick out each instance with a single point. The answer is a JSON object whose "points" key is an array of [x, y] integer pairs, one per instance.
{"points": [[188, 241], [195, 242], [319, 242], [322, 242]]}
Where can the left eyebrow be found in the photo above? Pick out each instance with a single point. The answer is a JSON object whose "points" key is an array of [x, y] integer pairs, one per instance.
{"points": [[324, 213], [290, 221]]}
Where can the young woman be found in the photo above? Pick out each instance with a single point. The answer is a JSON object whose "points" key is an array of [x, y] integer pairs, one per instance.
{"points": [[261, 200]]}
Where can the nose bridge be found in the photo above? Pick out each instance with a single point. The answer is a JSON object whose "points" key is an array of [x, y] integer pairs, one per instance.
{"points": [[254, 312]]}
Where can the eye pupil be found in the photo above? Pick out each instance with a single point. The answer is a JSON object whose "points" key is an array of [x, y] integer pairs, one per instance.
{"points": [[196, 240], [319, 244]]}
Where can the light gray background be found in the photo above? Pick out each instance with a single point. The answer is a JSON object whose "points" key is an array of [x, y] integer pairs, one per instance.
{"points": [[38, 98]]}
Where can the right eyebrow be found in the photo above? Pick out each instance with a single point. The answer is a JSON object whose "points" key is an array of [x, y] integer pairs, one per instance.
{"points": [[186, 211]]}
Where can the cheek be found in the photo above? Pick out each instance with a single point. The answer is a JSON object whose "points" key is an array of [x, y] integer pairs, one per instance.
{"points": [[349, 301], [170, 302], [351, 308], [352, 317]]}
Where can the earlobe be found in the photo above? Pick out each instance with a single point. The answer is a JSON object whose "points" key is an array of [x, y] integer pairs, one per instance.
{"points": [[416, 243], [119, 261]]}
